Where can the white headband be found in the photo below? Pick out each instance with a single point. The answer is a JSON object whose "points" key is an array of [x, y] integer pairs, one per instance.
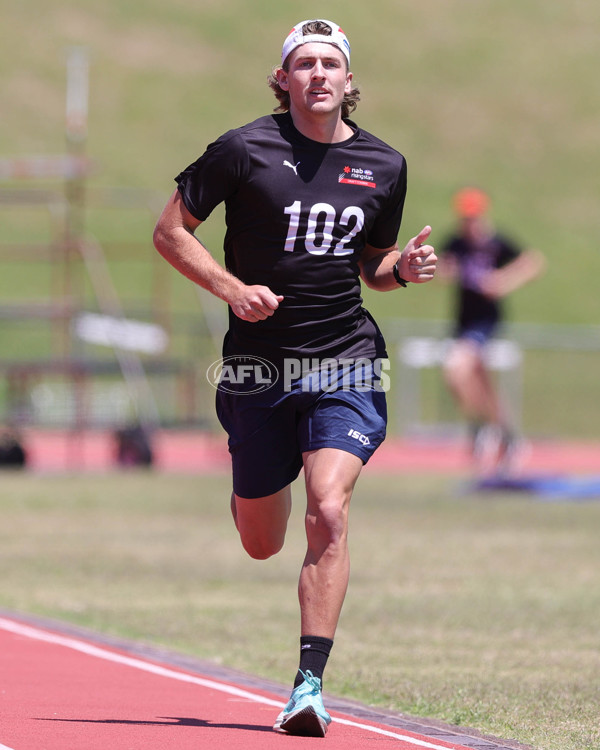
{"points": [[295, 38]]}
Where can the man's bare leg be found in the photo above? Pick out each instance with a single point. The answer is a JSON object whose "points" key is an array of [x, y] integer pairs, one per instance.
{"points": [[330, 476], [471, 384]]}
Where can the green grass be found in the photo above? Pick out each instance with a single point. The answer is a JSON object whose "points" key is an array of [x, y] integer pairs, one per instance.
{"points": [[476, 610]]}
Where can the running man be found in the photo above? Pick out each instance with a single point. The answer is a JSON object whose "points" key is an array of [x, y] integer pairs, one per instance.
{"points": [[313, 205]]}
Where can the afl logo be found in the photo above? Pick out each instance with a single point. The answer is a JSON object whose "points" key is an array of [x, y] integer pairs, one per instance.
{"points": [[242, 374]]}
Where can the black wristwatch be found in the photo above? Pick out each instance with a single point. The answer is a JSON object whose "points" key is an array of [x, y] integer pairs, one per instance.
{"points": [[397, 276]]}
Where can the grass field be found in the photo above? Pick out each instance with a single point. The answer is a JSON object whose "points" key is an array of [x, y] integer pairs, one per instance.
{"points": [[480, 611]]}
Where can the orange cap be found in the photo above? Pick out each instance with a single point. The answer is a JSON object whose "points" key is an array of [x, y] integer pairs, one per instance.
{"points": [[470, 202]]}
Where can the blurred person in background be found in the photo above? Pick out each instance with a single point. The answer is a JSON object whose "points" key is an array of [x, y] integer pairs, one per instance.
{"points": [[313, 205], [485, 266]]}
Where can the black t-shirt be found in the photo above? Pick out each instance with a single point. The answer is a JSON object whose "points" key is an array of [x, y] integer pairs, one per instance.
{"points": [[474, 262], [298, 215]]}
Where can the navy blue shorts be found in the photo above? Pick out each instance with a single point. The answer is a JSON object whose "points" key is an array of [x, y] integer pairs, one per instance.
{"points": [[479, 333], [270, 430]]}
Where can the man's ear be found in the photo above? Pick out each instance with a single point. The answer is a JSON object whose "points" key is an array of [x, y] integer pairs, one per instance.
{"points": [[282, 79], [348, 88]]}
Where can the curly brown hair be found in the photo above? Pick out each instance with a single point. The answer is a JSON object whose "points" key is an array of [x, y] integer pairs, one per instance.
{"points": [[351, 99]]}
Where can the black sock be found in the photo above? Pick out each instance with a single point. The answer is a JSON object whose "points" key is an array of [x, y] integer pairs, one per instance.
{"points": [[314, 652]]}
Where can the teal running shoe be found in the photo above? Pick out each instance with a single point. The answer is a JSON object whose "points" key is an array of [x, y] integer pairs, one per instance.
{"points": [[304, 714]]}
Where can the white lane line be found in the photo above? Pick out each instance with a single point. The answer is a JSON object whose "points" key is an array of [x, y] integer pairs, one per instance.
{"points": [[101, 653]]}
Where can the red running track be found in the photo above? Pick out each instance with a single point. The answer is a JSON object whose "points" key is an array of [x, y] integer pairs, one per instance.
{"points": [[67, 689], [200, 452]]}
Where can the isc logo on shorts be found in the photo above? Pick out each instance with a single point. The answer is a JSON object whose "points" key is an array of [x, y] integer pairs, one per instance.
{"points": [[359, 436]]}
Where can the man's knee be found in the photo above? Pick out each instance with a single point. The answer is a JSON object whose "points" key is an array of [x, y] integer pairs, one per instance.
{"points": [[330, 478], [461, 364], [327, 521], [262, 523], [261, 547]]}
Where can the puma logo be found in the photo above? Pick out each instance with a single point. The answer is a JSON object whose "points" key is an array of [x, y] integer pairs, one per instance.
{"points": [[286, 163]]}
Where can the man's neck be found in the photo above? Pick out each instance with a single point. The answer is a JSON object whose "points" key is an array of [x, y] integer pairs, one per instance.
{"points": [[321, 129]]}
